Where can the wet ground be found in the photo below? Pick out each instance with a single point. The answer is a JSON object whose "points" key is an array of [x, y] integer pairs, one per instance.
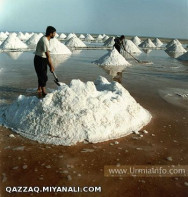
{"points": [[28, 163]]}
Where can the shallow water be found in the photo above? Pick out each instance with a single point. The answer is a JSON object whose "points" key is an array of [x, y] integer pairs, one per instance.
{"points": [[17, 73]]}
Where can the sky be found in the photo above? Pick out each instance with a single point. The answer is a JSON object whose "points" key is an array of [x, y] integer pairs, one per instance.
{"points": [[156, 18]]}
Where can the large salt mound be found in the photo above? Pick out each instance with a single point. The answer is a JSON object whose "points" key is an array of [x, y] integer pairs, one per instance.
{"points": [[183, 57], [171, 43], [70, 36], [56, 47], [131, 47], [157, 42], [3, 36], [136, 40], [105, 38], [75, 42], [81, 111], [176, 48], [13, 42], [33, 40], [112, 58], [109, 42], [147, 43]]}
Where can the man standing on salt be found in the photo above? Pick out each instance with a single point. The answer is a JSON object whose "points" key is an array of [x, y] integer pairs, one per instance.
{"points": [[42, 59], [119, 43]]}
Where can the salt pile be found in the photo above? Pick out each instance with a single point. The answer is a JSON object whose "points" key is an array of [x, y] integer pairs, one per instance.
{"points": [[81, 111], [56, 47], [33, 40], [21, 36], [62, 36], [70, 36], [3, 36], [147, 43], [81, 36], [131, 47], [176, 48], [105, 38], [183, 57], [136, 40], [75, 42], [99, 37], [109, 42], [112, 58], [172, 43], [157, 42], [13, 42], [56, 35], [89, 37]]}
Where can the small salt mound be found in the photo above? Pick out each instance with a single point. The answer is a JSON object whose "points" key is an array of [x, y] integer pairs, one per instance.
{"points": [[183, 57], [81, 36], [62, 36], [70, 36], [13, 42], [75, 42], [112, 58], [157, 42], [21, 36], [56, 35], [131, 47], [3, 36], [56, 47], [109, 42], [41, 34], [33, 40], [27, 35], [176, 48], [105, 38], [89, 37], [171, 43], [81, 111], [147, 43], [136, 40], [7, 33], [99, 37], [13, 34]]}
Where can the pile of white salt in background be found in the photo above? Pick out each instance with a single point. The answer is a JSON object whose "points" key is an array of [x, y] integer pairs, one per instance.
{"points": [[75, 42], [112, 58], [80, 111]]}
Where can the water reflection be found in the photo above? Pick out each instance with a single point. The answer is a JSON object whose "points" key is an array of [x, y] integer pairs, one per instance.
{"points": [[174, 55], [14, 55], [115, 72], [58, 59], [147, 51]]}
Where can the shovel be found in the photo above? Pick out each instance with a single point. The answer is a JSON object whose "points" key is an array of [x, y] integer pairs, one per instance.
{"points": [[56, 79], [140, 62]]}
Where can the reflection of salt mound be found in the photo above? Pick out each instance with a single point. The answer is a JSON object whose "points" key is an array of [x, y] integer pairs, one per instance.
{"points": [[14, 55], [75, 42], [81, 36], [112, 58], [131, 47], [13, 42], [171, 43], [175, 96], [81, 111], [3, 36], [70, 36], [109, 42], [136, 40], [184, 57], [56, 47], [89, 37], [33, 40], [147, 43], [157, 42], [147, 51], [62, 36], [114, 70], [58, 59], [176, 48]]}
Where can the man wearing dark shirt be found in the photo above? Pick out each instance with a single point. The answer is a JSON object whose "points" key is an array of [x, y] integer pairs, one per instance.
{"points": [[119, 43]]}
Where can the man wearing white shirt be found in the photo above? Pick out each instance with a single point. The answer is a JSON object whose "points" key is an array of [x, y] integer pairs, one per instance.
{"points": [[42, 59]]}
